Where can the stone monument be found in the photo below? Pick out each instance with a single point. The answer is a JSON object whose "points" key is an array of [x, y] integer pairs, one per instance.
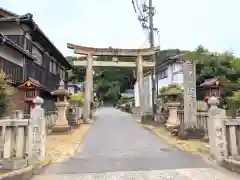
{"points": [[62, 94], [37, 132], [188, 129]]}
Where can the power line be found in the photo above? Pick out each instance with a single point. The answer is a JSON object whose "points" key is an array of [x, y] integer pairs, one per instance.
{"points": [[145, 17]]}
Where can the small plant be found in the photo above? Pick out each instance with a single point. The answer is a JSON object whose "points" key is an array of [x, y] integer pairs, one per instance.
{"points": [[6, 91], [172, 92]]}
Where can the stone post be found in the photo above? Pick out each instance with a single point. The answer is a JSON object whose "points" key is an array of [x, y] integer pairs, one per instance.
{"points": [[190, 103], [173, 120], [216, 131], [37, 132], [88, 89]]}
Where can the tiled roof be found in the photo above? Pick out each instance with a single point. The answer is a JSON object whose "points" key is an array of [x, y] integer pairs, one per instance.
{"points": [[5, 40], [8, 12], [209, 82], [28, 20]]}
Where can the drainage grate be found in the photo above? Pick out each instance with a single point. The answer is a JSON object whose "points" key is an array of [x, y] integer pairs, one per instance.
{"points": [[166, 149]]}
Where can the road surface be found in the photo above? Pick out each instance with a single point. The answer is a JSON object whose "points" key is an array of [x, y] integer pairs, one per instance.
{"points": [[118, 148]]}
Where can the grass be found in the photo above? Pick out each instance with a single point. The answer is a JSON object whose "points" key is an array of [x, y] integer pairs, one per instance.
{"points": [[60, 147]]}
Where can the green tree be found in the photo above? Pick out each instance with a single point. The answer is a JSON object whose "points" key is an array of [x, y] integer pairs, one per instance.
{"points": [[109, 82], [224, 65]]}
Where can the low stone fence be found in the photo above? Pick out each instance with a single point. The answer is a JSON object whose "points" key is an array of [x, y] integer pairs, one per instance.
{"points": [[233, 138], [23, 140], [202, 118], [50, 117], [224, 137]]}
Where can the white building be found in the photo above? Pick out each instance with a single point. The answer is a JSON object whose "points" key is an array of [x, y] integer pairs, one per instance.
{"points": [[169, 72]]}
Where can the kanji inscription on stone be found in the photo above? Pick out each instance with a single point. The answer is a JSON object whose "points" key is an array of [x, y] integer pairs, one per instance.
{"points": [[190, 104]]}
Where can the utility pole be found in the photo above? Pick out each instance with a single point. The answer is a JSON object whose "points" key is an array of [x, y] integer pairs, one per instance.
{"points": [[151, 40], [145, 16]]}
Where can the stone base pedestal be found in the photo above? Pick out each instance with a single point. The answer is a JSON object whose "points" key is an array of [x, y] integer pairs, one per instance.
{"points": [[147, 118], [60, 128], [136, 111], [191, 133], [61, 124]]}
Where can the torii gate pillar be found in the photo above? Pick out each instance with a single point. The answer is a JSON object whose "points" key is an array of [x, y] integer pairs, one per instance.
{"points": [[88, 89], [140, 84]]}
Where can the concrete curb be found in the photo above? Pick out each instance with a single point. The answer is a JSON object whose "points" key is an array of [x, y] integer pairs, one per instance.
{"points": [[25, 173]]}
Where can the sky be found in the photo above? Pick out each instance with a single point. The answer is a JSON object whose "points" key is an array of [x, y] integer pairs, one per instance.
{"points": [[182, 24]]}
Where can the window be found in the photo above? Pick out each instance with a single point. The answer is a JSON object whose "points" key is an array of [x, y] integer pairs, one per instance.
{"points": [[178, 78], [28, 45], [176, 67], [62, 75], [38, 55], [58, 69], [27, 108], [30, 93], [53, 67], [162, 74]]}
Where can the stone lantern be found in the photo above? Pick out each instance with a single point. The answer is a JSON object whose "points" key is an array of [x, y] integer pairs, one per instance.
{"points": [[62, 94], [173, 121]]}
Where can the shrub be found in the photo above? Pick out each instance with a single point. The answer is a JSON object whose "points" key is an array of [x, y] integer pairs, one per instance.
{"points": [[77, 98], [6, 91]]}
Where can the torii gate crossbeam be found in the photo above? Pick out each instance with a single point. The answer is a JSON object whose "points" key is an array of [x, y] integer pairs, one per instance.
{"points": [[89, 63]]}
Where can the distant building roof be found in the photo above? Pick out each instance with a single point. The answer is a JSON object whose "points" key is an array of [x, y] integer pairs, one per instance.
{"points": [[209, 82]]}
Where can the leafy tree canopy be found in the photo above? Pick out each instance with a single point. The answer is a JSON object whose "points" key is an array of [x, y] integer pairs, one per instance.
{"points": [[109, 82]]}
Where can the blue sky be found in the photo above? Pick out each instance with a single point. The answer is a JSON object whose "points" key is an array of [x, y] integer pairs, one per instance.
{"points": [[102, 23]]}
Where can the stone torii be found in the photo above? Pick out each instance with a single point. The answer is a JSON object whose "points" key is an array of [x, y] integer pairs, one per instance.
{"points": [[89, 63]]}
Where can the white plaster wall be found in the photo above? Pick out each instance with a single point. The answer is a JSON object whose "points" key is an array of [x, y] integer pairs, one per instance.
{"points": [[11, 55], [172, 78], [11, 29], [178, 78], [177, 67], [165, 81], [71, 90], [147, 84]]}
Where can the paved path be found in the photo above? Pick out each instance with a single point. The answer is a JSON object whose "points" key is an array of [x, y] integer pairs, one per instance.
{"points": [[116, 147]]}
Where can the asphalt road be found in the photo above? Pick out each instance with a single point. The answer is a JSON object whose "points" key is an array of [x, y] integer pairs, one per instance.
{"points": [[116, 147]]}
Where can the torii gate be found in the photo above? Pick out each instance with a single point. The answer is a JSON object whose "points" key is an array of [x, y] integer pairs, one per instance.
{"points": [[90, 63]]}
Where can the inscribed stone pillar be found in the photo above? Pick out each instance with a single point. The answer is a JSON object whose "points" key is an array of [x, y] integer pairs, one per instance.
{"points": [[37, 132], [216, 131], [88, 89], [190, 103]]}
